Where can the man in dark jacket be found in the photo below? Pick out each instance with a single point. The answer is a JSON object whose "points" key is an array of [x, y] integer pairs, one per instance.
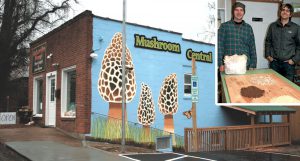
{"points": [[282, 44]]}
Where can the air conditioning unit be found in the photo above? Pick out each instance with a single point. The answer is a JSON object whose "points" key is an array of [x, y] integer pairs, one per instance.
{"points": [[164, 144]]}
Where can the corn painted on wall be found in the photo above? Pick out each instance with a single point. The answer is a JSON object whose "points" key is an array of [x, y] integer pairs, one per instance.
{"points": [[152, 67]]}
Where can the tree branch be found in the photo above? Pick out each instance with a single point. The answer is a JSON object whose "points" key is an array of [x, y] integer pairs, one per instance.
{"points": [[64, 5]]}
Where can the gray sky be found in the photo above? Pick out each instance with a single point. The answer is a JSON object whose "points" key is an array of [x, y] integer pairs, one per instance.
{"points": [[189, 17]]}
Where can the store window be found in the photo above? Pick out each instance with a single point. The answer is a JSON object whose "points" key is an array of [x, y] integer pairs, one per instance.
{"points": [[38, 96], [187, 84], [68, 91]]}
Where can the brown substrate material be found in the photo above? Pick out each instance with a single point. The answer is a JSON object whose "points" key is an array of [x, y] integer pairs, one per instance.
{"points": [[252, 92]]}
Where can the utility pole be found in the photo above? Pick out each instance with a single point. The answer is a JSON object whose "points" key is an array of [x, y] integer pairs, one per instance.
{"points": [[123, 75], [194, 113]]}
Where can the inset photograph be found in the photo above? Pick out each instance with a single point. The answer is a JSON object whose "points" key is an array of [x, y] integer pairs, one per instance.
{"points": [[258, 52]]}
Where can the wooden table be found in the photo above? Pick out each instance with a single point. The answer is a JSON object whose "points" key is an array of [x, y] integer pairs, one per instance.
{"points": [[276, 88]]}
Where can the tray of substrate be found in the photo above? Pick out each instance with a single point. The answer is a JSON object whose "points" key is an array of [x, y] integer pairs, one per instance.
{"points": [[260, 88]]}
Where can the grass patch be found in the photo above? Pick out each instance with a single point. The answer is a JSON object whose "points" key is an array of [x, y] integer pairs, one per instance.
{"points": [[109, 129]]}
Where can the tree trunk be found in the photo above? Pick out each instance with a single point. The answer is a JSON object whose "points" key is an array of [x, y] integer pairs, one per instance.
{"points": [[4, 77], [6, 41]]}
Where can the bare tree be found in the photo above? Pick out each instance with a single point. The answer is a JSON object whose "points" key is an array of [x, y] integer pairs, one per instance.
{"points": [[208, 34], [20, 21]]}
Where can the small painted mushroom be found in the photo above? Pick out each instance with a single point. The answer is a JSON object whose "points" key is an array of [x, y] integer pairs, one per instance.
{"points": [[146, 110], [110, 77]]}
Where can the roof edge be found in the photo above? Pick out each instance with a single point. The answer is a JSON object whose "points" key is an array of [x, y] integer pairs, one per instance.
{"points": [[241, 109], [76, 18], [135, 24], [196, 41]]}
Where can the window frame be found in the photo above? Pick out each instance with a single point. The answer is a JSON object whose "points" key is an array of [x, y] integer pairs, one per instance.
{"points": [[35, 92], [64, 90], [187, 84]]}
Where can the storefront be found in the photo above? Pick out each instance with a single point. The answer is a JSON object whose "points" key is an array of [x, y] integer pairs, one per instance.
{"points": [[60, 76]]}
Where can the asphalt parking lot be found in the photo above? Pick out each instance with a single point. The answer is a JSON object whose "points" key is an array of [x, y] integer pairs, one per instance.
{"points": [[52, 144], [214, 156]]}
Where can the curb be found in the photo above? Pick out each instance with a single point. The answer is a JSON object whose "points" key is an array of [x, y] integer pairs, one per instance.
{"points": [[15, 151]]}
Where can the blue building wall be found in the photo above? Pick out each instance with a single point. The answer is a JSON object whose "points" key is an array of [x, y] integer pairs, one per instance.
{"points": [[151, 67]]}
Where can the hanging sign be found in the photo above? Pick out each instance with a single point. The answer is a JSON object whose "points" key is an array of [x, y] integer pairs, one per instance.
{"points": [[38, 58]]}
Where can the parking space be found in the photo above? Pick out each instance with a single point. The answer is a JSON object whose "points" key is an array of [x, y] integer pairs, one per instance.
{"points": [[214, 156], [164, 157]]}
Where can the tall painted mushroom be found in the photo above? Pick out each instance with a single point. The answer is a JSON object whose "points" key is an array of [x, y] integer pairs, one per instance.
{"points": [[168, 101], [110, 77], [146, 110]]}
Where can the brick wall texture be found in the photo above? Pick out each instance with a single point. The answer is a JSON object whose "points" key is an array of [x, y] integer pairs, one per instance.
{"points": [[70, 44]]}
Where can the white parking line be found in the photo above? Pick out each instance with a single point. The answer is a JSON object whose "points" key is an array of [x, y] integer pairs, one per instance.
{"points": [[121, 155], [195, 157], [201, 158], [143, 153], [177, 153], [173, 159], [177, 158]]}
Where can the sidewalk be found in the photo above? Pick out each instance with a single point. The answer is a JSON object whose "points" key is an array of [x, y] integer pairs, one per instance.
{"points": [[49, 144], [54, 151]]}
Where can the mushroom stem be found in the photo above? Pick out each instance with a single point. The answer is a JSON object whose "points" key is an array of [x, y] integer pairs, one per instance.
{"points": [[147, 130], [169, 127], [115, 111], [169, 123]]}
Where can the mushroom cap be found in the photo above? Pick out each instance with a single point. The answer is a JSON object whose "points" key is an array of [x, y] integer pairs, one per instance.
{"points": [[168, 96], [146, 110], [110, 76]]}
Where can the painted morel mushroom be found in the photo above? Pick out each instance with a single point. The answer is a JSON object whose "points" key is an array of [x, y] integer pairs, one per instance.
{"points": [[168, 101], [110, 77], [146, 110]]}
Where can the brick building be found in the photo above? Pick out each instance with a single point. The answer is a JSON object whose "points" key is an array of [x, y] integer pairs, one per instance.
{"points": [[62, 55]]}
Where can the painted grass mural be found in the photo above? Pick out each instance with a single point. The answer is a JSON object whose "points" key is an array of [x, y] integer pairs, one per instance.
{"points": [[110, 129]]}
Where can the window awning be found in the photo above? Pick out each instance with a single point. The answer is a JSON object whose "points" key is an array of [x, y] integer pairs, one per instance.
{"points": [[264, 110]]}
